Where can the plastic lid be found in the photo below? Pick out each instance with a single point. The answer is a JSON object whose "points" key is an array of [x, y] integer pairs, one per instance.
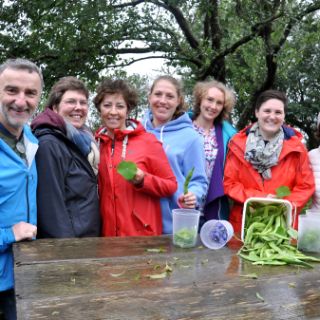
{"points": [[215, 234]]}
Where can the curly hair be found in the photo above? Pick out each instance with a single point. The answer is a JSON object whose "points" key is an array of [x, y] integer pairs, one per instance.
{"points": [[118, 86], [181, 108], [201, 90]]}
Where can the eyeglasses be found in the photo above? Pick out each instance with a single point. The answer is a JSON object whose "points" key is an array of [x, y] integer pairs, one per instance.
{"points": [[74, 102]]}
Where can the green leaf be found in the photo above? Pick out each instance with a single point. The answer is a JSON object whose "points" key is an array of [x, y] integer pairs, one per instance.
{"points": [[157, 276], [250, 275], [167, 268], [259, 296], [292, 233], [117, 275], [127, 169], [156, 250], [187, 181], [282, 192]]}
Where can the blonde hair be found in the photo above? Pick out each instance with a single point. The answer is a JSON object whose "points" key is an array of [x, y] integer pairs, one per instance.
{"points": [[200, 91]]}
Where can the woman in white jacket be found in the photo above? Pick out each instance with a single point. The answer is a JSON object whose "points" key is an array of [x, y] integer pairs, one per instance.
{"points": [[314, 157]]}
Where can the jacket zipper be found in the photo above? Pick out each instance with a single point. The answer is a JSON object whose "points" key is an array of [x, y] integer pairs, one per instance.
{"points": [[28, 204]]}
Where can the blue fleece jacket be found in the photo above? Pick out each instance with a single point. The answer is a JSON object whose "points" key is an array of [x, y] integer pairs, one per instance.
{"points": [[184, 149], [18, 186]]}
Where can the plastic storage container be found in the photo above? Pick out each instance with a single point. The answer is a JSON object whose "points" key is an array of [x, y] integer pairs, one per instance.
{"points": [[215, 234], [266, 201], [309, 232], [185, 227]]}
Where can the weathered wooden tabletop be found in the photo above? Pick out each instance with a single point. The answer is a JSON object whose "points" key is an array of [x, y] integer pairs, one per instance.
{"points": [[108, 278]]}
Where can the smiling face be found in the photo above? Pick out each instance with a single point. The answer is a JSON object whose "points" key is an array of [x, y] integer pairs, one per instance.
{"points": [[163, 101], [211, 105], [73, 107], [114, 111], [270, 117], [20, 92]]}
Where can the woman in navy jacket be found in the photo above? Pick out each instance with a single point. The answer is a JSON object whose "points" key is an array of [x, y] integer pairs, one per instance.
{"points": [[67, 160]]}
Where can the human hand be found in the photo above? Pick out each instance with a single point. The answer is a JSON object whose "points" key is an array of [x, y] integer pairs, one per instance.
{"points": [[138, 178], [24, 231], [188, 200]]}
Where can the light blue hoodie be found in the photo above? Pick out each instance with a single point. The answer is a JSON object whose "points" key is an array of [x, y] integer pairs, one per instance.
{"points": [[184, 149], [18, 188]]}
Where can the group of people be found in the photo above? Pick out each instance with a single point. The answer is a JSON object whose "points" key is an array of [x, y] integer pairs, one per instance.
{"points": [[58, 180]]}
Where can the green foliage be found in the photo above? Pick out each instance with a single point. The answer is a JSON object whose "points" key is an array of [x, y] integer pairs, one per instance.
{"points": [[251, 45]]}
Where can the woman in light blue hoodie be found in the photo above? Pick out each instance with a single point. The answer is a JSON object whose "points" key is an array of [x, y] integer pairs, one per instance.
{"points": [[168, 121]]}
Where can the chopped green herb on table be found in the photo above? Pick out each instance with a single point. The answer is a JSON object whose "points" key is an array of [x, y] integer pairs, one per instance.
{"points": [[185, 237]]}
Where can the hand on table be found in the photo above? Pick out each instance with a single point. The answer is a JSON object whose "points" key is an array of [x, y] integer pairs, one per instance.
{"points": [[24, 231]]}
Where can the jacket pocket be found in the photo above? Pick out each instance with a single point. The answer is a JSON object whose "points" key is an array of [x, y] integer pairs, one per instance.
{"points": [[142, 226]]}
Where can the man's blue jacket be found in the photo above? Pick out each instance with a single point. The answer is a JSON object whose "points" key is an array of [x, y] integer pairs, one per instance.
{"points": [[18, 189]]}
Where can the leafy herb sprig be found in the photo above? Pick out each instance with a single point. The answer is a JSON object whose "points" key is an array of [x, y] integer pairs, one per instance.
{"points": [[187, 181]]}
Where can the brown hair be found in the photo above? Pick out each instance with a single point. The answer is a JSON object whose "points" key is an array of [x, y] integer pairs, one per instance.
{"points": [[61, 87], [271, 94], [200, 91], [181, 108], [119, 86]]}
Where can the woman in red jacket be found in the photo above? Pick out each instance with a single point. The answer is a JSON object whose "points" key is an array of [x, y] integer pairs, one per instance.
{"points": [[129, 208], [265, 156]]}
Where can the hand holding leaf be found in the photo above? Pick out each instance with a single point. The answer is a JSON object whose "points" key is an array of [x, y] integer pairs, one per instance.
{"points": [[127, 169]]}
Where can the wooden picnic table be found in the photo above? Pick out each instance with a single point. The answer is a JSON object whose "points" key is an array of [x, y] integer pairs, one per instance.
{"points": [[109, 278]]}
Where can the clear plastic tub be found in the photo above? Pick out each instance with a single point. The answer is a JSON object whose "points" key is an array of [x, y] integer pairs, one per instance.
{"points": [[266, 201], [185, 227], [309, 232]]}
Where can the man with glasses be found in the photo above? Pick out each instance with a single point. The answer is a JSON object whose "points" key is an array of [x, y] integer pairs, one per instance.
{"points": [[20, 90]]}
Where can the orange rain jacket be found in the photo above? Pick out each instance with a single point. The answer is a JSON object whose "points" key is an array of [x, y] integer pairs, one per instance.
{"points": [[242, 181]]}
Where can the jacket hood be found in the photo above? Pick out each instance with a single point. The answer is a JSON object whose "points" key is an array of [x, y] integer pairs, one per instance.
{"points": [[181, 122], [133, 128], [51, 119]]}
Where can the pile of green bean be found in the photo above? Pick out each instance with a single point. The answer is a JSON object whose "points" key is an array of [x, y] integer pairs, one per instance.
{"points": [[267, 238]]}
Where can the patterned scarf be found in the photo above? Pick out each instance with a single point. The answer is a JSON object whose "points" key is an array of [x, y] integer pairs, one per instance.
{"points": [[261, 154], [84, 140]]}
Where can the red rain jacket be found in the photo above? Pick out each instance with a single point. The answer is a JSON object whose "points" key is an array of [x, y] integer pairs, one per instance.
{"points": [[128, 210]]}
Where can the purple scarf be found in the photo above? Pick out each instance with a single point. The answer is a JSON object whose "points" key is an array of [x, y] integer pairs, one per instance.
{"points": [[215, 190]]}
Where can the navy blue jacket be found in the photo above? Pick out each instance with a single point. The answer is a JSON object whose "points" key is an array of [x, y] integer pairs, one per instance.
{"points": [[67, 195]]}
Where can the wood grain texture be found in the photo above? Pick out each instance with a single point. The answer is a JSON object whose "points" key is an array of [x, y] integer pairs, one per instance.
{"points": [[108, 278]]}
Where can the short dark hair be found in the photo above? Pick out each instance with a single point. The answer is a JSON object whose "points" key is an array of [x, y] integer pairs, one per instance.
{"points": [[63, 85], [22, 64], [118, 86], [271, 94]]}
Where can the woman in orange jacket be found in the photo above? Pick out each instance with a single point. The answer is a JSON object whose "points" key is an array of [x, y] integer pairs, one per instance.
{"points": [[129, 208], [265, 156]]}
